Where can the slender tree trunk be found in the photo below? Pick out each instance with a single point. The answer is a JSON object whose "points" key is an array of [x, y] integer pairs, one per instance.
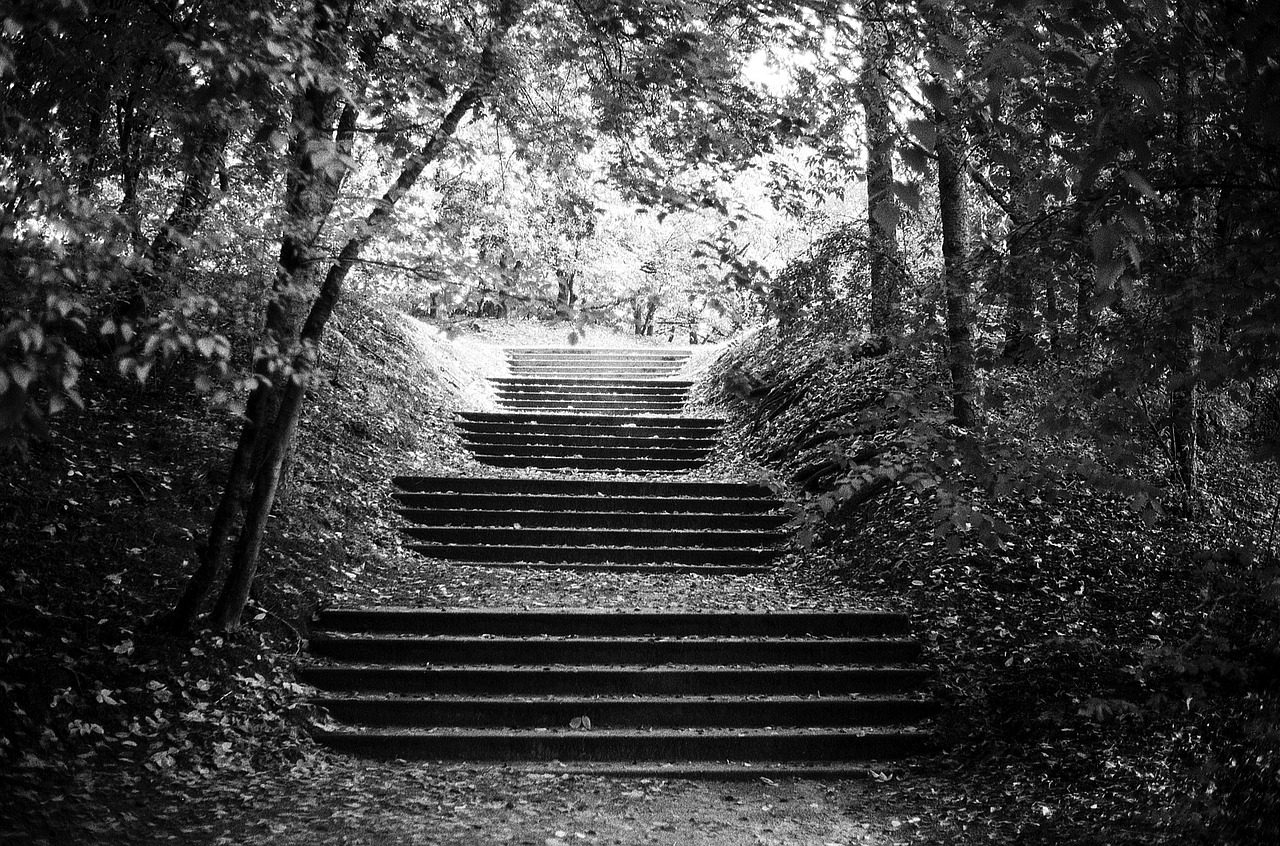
{"points": [[1086, 320], [153, 281], [278, 437], [208, 148], [213, 558], [953, 204], [882, 211], [1019, 274], [566, 297], [128, 136], [1052, 316], [1182, 296]]}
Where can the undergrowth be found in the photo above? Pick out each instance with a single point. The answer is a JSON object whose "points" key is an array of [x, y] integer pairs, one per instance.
{"points": [[1107, 655], [100, 529]]}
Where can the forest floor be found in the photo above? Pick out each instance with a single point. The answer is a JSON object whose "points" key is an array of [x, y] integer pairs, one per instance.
{"points": [[115, 734]]}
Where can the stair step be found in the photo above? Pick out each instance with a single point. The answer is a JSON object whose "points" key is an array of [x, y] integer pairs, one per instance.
{"points": [[614, 712], [743, 557], [670, 390], [624, 745], [719, 771], [514, 501], [590, 383], [613, 622], [569, 406], [587, 429], [599, 487], [536, 439], [631, 465], [593, 537], [583, 451], [613, 372], [634, 421], [582, 519], [645, 568], [687, 680], [601, 650]]}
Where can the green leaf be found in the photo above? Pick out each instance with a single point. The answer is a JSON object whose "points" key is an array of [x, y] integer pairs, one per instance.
{"points": [[924, 131], [1141, 85]]}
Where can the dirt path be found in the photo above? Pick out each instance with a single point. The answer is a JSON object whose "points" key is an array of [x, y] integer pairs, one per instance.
{"points": [[334, 800]]}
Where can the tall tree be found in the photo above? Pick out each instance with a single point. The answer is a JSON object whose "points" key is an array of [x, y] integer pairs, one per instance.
{"points": [[882, 210]]}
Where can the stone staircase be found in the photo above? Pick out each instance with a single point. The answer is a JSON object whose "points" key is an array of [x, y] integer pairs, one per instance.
{"points": [[591, 409], [718, 693]]}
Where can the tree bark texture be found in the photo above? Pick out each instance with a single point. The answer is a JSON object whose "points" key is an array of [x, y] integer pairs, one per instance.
{"points": [[953, 204], [1182, 295], [882, 211]]}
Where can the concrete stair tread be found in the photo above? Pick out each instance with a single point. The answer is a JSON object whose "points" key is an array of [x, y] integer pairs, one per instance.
{"points": [[662, 567], [487, 518], [598, 639], [803, 731], [623, 421], [705, 670], [602, 699], [616, 504], [611, 620], [728, 771], [766, 537], [605, 488]]}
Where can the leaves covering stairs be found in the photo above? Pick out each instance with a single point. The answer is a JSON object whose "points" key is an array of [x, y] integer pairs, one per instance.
{"points": [[809, 692]]}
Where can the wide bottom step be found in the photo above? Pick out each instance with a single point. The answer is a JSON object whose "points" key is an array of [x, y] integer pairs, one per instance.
{"points": [[622, 712], [628, 745]]}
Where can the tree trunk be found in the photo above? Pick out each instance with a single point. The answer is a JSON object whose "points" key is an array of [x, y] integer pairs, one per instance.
{"points": [[214, 556], [1052, 317], [1086, 322], [277, 439], [128, 137], [882, 211], [953, 204], [309, 198], [1019, 315], [566, 297], [1182, 294], [153, 282]]}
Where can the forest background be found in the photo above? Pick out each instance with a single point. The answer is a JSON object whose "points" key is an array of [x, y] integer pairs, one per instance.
{"points": [[1045, 233]]}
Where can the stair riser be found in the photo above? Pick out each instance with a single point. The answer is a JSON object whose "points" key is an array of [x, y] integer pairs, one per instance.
{"points": [[509, 418], [557, 681], [576, 359], [636, 465], [520, 502], [569, 406], [593, 519], [624, 713], [589, 555], [579, 441], [558, 431], [584, 487], [559, 623], [521, 383], [586, 746], [598, 369], [392, 650], [614, 375], [637, 538], [602, 390], [645, 568], [630, 453]]}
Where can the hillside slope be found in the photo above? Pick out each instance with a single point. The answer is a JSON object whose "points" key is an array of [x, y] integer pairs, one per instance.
{"points": [[1111, 669]]}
